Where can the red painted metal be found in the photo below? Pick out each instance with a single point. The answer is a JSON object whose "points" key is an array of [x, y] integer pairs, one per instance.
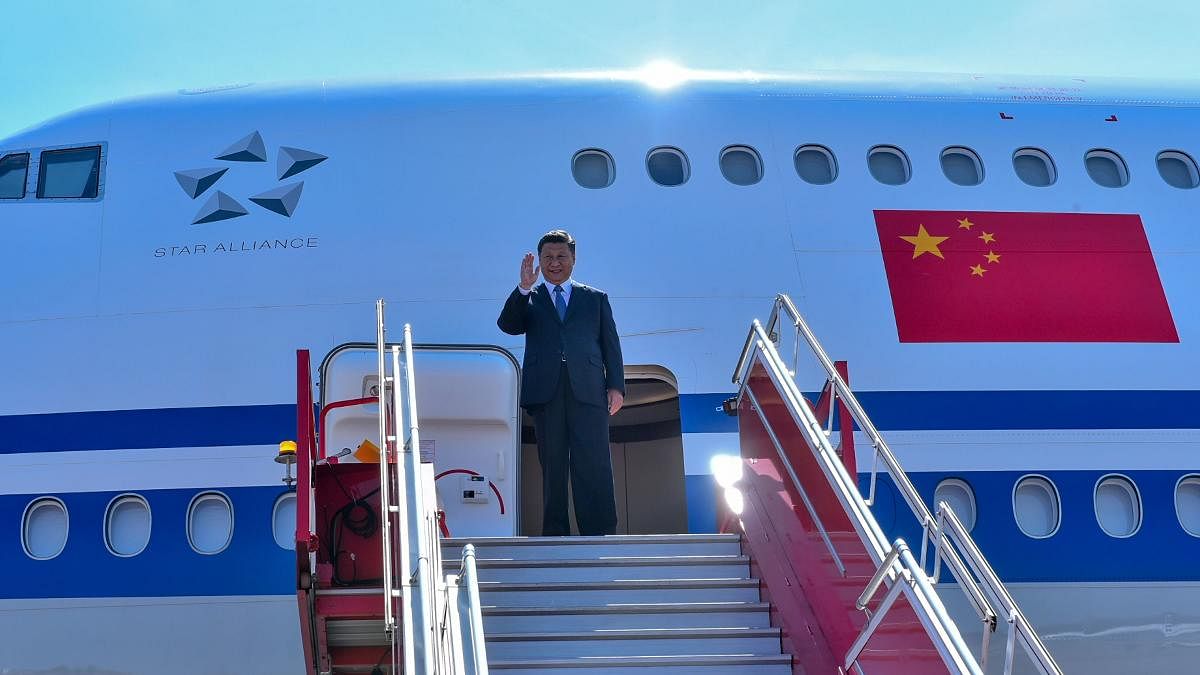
{"points": [[845, 445], [323, 491], [334, 406], [812, 601]]}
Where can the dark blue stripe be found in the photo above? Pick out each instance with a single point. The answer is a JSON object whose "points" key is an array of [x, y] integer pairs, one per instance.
{"points": [[989, 410], [702, 414], [701, 503], [149, 428], [699, 413], [253, 564]]}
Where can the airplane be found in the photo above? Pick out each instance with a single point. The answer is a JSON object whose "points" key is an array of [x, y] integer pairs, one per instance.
{"points": [[163, 258]]}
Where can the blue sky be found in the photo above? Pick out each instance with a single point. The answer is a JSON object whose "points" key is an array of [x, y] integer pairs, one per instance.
{"points": [[60, 55]]}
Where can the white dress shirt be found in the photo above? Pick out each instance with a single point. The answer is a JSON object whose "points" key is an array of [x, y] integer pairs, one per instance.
{"points": [[566, 290]]}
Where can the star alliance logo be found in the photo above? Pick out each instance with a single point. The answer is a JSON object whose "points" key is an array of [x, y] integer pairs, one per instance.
{"points": [[220, 206]]}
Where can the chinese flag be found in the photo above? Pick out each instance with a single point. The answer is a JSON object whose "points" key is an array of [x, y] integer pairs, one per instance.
{"points": [[979, 276]]}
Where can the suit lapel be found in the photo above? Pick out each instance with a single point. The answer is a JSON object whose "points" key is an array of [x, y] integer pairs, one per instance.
{"points": [[548, 304], [577, 296]]}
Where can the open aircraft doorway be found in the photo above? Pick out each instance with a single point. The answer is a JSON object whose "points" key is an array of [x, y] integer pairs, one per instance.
{"points": [[647, 457]]}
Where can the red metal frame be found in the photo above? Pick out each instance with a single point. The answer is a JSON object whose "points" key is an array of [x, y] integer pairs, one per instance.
{"points": [[812, 601], [306, 539], [845, 421], [334, 406]]}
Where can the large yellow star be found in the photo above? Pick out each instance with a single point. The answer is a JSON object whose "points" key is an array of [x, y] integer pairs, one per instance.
{"points": [[987, 237], [977, 270], [965, 224], [925, 243], [992, 257]]}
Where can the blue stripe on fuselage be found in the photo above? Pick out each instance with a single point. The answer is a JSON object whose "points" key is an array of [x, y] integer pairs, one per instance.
{"points": [[700, 413], [254, 564]]}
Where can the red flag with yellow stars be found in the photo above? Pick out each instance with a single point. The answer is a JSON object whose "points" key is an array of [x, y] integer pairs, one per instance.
{"points": [[978, 276]]}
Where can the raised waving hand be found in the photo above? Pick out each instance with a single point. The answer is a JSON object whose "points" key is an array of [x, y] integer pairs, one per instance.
{"points": [[529, 272]]}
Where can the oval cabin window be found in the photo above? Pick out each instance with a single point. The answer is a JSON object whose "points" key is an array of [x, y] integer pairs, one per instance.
{"points": [[1106, 168], [1034, 167], [1118, 506], [960, 497], [962, 166], [1178, 169], [283, 521], [44, 528], [210, 523], [127, 525], [889, 165], [1187, 504], [593, 169], [815, 164], [668, 166], [1036, 507], [741, 165]]}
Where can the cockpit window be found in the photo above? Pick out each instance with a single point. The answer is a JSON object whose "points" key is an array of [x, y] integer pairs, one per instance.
{"points": [[73, 173], [14, 169]]}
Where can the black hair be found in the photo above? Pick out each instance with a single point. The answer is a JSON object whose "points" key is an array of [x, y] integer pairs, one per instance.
{"points": [[557, 237]]}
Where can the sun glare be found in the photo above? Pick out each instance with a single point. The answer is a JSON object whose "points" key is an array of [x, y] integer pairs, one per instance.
{"points": [[662, 74]]}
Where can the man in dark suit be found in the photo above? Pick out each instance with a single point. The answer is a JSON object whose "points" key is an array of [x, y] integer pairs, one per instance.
{"points": [[573, 381]]}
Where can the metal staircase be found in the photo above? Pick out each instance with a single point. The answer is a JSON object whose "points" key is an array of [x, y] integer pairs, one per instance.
{"points": [[380, 601], [867, 602], [681, 604]]}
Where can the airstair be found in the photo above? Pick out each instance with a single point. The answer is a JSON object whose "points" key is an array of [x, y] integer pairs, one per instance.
{"points": [[803, 579]]}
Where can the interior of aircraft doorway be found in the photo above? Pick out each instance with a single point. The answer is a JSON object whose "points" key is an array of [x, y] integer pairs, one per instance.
{"points": [[647, 458]]}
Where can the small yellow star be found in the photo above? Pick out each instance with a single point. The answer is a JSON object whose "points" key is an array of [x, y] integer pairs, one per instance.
{"points": [[965, 224], [925, 243], [992, 257], [987, 237], [977, 270]]}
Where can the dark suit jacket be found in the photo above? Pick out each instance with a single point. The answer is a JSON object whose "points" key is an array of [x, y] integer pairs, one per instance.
{"points": [[587, 338]]}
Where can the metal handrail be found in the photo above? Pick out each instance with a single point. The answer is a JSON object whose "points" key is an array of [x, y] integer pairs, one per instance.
{"points": [[905, 574], [976, 577], [474, 647], [431, 642]]}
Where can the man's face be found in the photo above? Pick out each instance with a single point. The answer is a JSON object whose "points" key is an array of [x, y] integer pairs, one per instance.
{"points": [[557, 261]]}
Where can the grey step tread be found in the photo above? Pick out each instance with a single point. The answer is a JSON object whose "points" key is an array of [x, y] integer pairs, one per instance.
{"points": [[647, 661], [648, 608], [623, 584], [609, 562], [636, 634], [584, 541]]}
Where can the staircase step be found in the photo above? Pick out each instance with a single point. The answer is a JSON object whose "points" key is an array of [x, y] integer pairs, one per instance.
{"points": [[589, 593], [656, 642], [356, 633], [631, 617], [642, 665], [610, 569], [551, 548]]}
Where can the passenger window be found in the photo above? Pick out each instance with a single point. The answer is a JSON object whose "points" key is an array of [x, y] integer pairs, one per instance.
{"points": [[667, 166], [14, 169], [815, 164], [889, 165], [741, 165], [593, 169], [962, 166], [1176, 168], [1034, 167], [1107, 168], [70, 174]]}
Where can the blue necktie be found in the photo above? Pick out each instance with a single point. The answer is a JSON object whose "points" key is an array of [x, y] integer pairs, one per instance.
{"points": [[560, 304]]}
